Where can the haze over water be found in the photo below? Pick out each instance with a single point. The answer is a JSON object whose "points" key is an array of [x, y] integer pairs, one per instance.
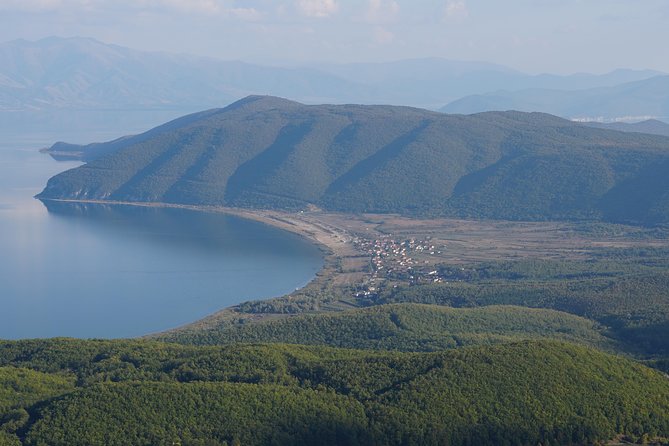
{"points": [[110, 271]]}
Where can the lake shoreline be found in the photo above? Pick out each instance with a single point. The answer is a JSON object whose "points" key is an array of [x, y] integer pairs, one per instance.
{"points": [[332, 241], [347, 271], [329, 239]]}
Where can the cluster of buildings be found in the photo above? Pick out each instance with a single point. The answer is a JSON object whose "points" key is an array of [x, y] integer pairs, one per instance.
{"points": [[400, 260]]}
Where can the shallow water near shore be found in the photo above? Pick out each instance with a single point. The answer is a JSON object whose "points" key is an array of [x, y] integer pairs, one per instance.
{"points": [[100, 271]]}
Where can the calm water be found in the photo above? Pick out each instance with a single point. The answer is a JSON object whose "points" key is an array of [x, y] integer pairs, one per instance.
{"points": [[115, 271]]}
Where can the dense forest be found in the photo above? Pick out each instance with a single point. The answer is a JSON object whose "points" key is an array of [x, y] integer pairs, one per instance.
{"points": [[408, 327], [270, 152], [67, 392], [624, 290]]}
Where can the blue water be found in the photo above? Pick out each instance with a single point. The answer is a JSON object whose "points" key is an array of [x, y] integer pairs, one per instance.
{"points": [[118, 271]]}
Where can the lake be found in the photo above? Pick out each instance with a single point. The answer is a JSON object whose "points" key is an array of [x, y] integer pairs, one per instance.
{"points": [[98, 271]]}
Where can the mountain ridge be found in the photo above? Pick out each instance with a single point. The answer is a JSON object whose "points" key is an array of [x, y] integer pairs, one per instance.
{"points": [[269, 152], [83, 73], [650, 126], [631, 101]]}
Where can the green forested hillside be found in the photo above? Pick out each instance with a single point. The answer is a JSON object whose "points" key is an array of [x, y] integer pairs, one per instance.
{"points": [[21, 388], [407, 327], [138, 392], [270, 152], [625, 290], [199, 414], [89, 152]]}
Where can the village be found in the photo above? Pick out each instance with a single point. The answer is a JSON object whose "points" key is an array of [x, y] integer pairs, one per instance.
{"points": [[410, 261]]}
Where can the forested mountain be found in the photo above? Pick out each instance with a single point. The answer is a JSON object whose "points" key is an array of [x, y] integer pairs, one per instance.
{"points": [[271, 152], [137, 392], [89, 152], [636, 100]]}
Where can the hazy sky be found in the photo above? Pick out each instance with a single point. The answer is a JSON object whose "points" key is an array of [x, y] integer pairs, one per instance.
{"points": [[560, 36]]}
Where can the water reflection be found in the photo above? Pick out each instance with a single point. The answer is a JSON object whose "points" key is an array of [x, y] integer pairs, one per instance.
{"points": [[89, 270], [182, 228]]}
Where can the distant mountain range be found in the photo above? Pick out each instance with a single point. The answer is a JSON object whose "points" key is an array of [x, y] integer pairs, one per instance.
{"points": [[80, 73], [650, 126], [423, 81], [85, 73], [632, 101], [273, 153]]}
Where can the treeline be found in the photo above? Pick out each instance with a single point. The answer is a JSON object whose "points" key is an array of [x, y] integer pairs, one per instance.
{"points": [[407, 327], [138, 392]]}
